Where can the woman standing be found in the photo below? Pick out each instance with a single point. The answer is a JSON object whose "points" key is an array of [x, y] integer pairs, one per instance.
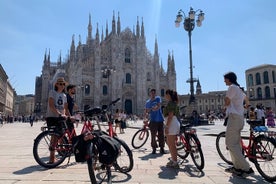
{"points": [[234, 100], [172, 125], [57, 109]]}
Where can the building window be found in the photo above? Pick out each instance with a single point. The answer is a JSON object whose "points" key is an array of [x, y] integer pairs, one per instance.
{"points": [[104, 90], [87, 89], [148, 76], [273, 77], [250, 80], [259, 93], [258, 78], [127, 55], [267, 92], [128, 78], [162, 92], [265, 75]]}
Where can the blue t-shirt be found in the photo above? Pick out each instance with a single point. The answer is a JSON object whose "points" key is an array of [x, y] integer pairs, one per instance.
{"points": [[155, 116]]}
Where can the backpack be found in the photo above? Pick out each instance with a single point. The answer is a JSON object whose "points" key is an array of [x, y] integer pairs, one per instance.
{"points": [[108, 148], [80, 148]]}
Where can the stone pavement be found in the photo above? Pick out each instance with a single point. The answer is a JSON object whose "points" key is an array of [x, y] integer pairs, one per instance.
{"points": [[17, 165]]}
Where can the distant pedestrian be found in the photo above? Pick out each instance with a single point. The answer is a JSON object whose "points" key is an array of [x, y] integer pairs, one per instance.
{"points": [[252, 114], [270, 118], [260, 114], [31, 119]]}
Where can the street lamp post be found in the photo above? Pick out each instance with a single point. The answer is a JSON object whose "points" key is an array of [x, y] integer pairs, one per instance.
{"points": [[189, 25]]}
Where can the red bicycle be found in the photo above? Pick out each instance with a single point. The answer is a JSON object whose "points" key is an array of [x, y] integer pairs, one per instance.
{"points": [[187, 143], [260, 149]]}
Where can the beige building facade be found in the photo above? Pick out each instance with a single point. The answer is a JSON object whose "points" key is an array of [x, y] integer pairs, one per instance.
{"points": [[261, 85]]}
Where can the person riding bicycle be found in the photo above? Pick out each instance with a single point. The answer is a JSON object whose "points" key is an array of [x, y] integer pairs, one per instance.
{"points": [[156, 125], [57, 109], [234, 103]]}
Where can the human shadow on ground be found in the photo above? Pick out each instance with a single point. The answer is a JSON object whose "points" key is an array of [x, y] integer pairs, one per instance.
{"points": [[35, 168], [254, 178], [30, 169], [171, 173], [119, 177]]}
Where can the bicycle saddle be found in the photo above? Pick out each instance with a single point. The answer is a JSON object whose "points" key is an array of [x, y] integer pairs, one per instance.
{"points": [[93, 111]]}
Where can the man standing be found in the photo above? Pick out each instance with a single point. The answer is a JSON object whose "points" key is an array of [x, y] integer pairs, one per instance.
{"points": [[71, 91], [156, 125]]}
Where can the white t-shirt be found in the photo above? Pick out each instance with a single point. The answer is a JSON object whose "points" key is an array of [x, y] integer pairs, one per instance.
{"points": [[59, 100], [260, 113], [236, 96]]}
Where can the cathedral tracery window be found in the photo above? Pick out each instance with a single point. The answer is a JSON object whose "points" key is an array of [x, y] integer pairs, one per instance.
{"points": [[87, 89], [148, 76], [127, 55], [128, 78], [105, 90]]}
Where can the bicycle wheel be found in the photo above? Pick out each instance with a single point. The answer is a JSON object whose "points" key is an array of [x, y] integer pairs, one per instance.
{"points": [[196, 152], [42, 148], [265, 161], [140, 138], [222, 148], [124, 162], [181, 147], [98, 172]]}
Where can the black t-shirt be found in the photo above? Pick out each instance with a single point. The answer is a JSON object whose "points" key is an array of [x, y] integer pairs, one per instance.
{"points": [[71, 103]]}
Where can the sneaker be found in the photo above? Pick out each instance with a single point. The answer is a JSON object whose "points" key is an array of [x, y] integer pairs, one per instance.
{"points": [[232, 170], [172, 164], [153, 151], [244, 174]]}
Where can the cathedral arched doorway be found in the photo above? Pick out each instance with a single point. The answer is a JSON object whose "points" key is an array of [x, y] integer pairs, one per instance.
{"points": [[128, 106]]}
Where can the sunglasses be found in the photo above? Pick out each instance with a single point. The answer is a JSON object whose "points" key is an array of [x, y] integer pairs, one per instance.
{"points": [[61, 84]]}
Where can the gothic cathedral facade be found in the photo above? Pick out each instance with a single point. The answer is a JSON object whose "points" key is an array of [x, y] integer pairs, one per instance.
{"points": [[113, 65]]}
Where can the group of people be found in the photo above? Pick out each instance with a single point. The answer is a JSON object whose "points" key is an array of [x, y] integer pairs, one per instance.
{"points": [[260, 114], [120, 120], [164, 123]]}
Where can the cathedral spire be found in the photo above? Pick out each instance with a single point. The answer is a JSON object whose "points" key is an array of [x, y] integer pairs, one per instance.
{"points": [[106, 30], [173, 63], [89, 29], [97, 35], [79, 40], [155, 46], [102, 36], [45, 57], [137, 28], [142, 29], [59, 59], [118, 24], [49, 56], [72, 49], [113, 24]]}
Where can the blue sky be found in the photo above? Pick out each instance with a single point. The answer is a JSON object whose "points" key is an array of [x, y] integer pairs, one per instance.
{"points": [[235, 35]]}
